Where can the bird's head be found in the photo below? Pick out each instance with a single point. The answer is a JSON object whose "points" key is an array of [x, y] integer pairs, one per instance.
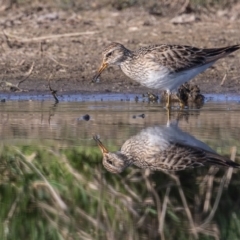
{"points": [[114, 162], [114, 54]]}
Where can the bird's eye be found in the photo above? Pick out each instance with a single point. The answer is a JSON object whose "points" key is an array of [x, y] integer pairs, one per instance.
{"points": [[109, 161], [109, 54]]}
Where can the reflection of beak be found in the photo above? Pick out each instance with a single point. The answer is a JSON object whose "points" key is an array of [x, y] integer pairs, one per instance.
{"points": [[99, 143], [100, 70]]}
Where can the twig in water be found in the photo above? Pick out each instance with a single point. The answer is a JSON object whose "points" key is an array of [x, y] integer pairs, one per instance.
{"points": [[52, 111], [53, 92]]}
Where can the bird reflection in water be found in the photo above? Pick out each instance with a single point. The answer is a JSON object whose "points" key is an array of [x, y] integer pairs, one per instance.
{"points": [[162, 148]]}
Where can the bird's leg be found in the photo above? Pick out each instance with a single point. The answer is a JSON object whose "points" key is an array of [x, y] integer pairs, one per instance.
{"points": [[168, 105], [168, 116], [181, 102]]}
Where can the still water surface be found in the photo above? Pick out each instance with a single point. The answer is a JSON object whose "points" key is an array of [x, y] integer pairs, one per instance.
{"points": [[53, 184]]}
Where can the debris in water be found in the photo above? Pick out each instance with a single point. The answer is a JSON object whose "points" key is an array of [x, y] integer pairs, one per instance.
{"points": [[139, 116], [86, 117], [189, 94], [151, 97]]}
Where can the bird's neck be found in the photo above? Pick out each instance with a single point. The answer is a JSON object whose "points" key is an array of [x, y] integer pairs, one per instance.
{"points": [[124, 156], [127, 56]]}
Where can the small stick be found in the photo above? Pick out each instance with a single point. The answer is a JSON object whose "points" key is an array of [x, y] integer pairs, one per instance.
{"points": [[223, 80], [26, 75], [184, 7], [41, 48], [14, 87], [53, 92], [7, 40], [75, 34], [60, 64]]}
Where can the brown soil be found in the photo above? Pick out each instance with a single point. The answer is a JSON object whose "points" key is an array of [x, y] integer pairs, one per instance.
{"points": [[65, 46]]}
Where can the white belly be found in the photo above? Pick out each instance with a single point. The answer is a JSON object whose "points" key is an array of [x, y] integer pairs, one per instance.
{"points": [[163, 79]]}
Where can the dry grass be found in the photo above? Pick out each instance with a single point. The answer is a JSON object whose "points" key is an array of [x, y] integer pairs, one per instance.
{"points": [[67, 195]]}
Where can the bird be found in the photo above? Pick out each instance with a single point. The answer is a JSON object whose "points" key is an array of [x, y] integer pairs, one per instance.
{"points": [[162, 67], [162, 148]]}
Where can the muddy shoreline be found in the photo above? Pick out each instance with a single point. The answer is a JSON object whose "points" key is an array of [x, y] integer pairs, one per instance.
{"points": [[65, 48]]}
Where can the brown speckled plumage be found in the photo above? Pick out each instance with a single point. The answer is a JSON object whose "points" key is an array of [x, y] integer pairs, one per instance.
{"points": [[165, 148], [163, 67]]}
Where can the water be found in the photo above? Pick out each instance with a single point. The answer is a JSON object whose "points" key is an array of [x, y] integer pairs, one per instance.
{"points": [[53, 184]]}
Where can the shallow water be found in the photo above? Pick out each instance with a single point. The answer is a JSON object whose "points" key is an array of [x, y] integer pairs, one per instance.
{"points": [[46, 145]]}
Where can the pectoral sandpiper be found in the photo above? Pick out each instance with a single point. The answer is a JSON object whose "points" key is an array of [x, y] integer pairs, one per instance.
{"points": [[165, 148], [163, 67]]}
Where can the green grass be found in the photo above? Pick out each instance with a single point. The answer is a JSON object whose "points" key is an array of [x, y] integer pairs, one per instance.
{"points": [[47, 193]]}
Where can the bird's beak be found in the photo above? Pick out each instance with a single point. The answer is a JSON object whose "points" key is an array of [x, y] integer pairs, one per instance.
{"points": [[100, 70], [101, 146]]}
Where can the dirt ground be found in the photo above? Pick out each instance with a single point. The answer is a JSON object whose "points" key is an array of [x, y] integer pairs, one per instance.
{"points": [[40, 43]]}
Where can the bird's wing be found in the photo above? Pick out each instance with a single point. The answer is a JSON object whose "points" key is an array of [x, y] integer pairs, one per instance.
{"points": [[179, 156], [181, 58]]}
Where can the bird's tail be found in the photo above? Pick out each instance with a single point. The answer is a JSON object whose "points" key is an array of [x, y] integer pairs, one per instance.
{"points": [[213, 54], [221, 161]]}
